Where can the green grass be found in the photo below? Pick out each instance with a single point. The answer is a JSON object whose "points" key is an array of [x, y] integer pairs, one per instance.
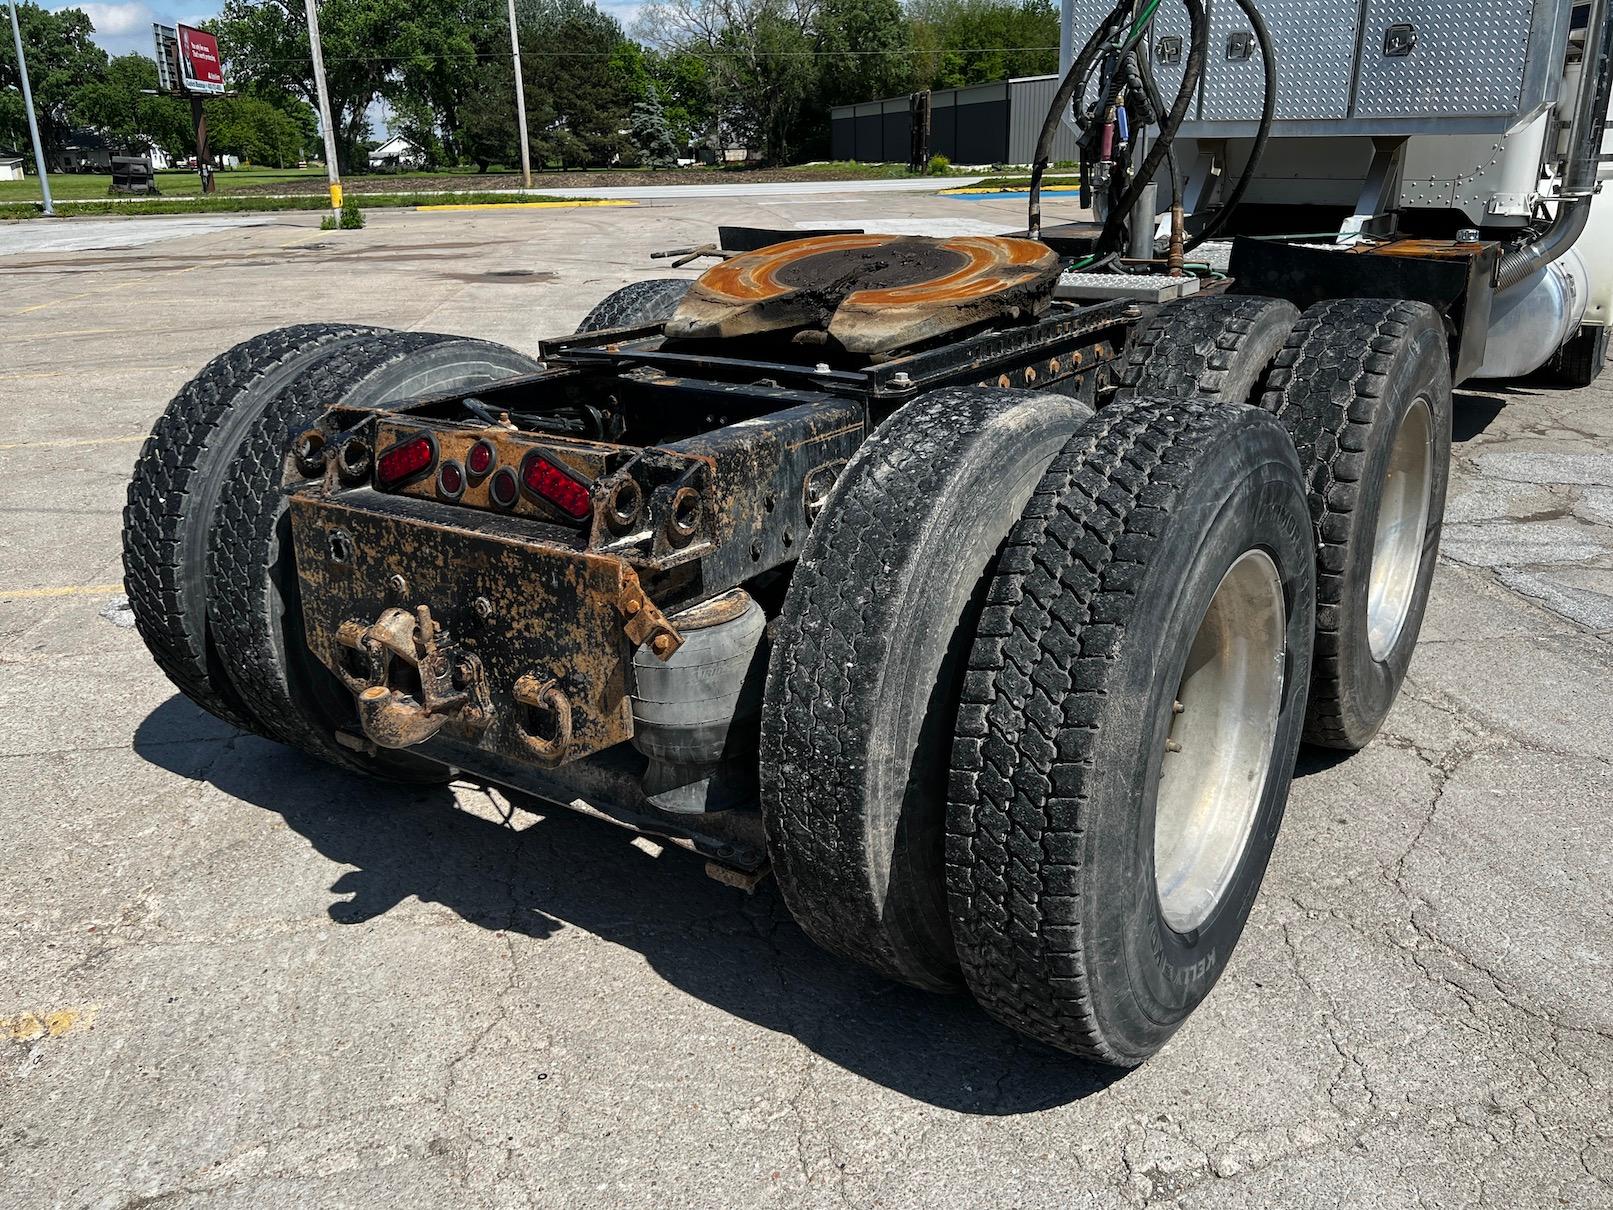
{"points": [[225, 204], [841, 170], [1063, 180], [76, 186], [94, 187]]}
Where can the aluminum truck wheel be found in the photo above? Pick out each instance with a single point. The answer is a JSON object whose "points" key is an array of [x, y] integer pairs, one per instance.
{"points": [[253, 600], [1220, 735], [867, 665], [1205, 347], [642, 302], [1127, 730], [1364, 388], [173, 492]]}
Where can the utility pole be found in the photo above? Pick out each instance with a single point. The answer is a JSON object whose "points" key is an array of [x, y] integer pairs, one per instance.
{"points": [[332, 169], [33, 124], [198, 118], [520, 100]]}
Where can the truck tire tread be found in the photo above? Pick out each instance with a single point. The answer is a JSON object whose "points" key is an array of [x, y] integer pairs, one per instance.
{"points": [[174, 480]]}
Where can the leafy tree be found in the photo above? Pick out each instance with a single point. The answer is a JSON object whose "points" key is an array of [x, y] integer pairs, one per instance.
{"points": [[488, 133], [865, 50], [118, 105], [652, 134], [962, 42], [758, 57], [254, 130], [62, 63], [370, 46], [683, 84], [569, 57]]}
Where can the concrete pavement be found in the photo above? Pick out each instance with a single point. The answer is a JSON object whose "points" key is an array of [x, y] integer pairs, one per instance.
{"points": [[230, 976]]}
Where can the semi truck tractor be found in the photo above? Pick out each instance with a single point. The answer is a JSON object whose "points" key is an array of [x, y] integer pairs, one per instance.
{"points": [[981, 590]]}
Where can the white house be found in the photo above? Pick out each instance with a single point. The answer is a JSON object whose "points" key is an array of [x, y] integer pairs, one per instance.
{"points": [[397, 152], [11, 166]]}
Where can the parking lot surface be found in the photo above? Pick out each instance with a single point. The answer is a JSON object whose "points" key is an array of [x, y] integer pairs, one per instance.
{"points": [[230, 976]]}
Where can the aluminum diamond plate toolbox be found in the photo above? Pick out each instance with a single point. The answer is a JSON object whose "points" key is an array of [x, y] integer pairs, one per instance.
{"points": [[1315, 61], [1361, 67], [1466, 57]]}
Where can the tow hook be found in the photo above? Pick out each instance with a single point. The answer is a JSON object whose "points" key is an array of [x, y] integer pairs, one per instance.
{"points": [[410, 682]]}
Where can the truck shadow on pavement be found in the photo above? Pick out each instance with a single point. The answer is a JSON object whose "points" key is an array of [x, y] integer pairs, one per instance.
{"points": [[535, 875]]}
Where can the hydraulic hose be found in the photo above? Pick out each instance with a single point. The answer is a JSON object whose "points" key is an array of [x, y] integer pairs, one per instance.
{"points": [[1584, 152], [1268, 110], [1168, 126], [1077, 74]]}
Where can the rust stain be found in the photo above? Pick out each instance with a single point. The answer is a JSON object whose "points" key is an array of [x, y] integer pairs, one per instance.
{"points": [[31, 1027]]}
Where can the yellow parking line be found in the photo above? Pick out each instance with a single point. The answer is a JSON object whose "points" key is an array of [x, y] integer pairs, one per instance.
{"points": [[528, 205], [64, 590], [70, 441], [1012, 189]]}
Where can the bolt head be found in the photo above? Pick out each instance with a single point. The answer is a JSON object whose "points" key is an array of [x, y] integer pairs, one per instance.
{"points": [[482, 607], [397, 584], [662, 644]]}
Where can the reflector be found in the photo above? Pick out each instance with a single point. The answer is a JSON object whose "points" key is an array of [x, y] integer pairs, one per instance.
{"points": [[408, 459], [504, 490], [451, 480], [480, 459], [556, 485]]}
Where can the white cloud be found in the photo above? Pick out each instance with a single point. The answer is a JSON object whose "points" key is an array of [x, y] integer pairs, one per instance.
{"points": [[121, 28], [118, 20]]}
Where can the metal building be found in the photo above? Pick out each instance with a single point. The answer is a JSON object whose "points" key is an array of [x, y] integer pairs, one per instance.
{"points": [[983, 124]]}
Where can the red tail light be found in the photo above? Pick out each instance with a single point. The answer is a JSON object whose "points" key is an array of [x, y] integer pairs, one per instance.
{"points": [[481, 458], [550, 482], [408, 459]]}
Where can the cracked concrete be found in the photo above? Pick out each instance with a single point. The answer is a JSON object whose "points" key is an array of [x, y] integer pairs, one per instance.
{"points": [[297, 987]]}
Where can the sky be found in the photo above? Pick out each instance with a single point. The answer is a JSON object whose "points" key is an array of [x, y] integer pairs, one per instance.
{"points": [[120, 28]]}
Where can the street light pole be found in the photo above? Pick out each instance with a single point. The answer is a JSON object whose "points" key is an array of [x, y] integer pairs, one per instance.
{"points": [[520, 101], [28, 104], [332, 170]]}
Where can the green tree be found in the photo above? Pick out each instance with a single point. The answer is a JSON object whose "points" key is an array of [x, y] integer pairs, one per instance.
{"points": [[254, 130], [119, 106], [652, 134], [62, 63], [488, 133], [759, 62], [865, 51], [569, 56], [962, 42]]}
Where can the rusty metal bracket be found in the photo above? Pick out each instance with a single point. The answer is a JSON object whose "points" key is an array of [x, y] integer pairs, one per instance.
{"points": [[452, 685], [644, 623], [547, 697]]}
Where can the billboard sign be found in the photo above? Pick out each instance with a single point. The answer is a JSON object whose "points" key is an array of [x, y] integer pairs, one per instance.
{"points": [[167, 38], [199, 67]]}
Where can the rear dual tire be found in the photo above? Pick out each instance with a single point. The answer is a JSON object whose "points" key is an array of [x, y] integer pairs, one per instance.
{"points": [[173, 495], [643, 302], [207, 556], [1099, 877], [952, 589], [867, 666], [253, 598], [1363, 387]]}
